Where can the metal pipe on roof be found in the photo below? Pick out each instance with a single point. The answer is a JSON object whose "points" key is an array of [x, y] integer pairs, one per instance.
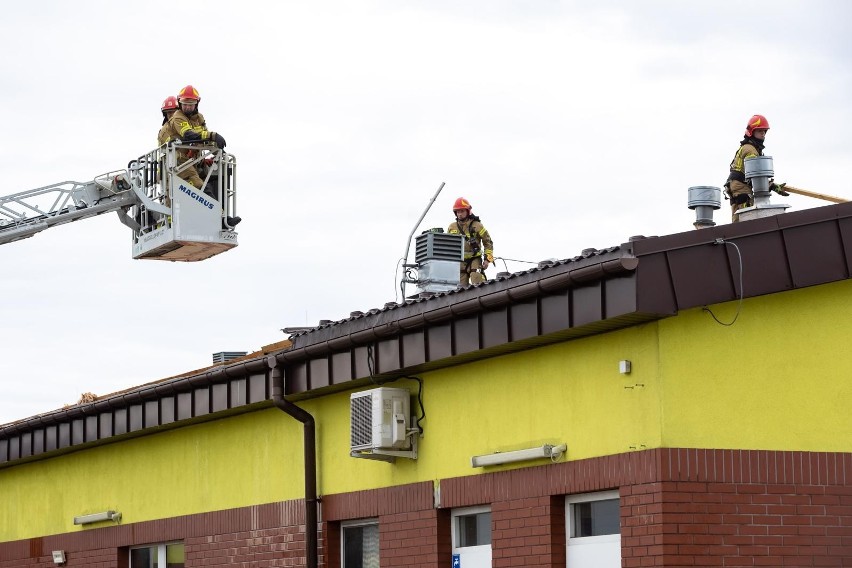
{"points": [[408, 244], [303, 416]]}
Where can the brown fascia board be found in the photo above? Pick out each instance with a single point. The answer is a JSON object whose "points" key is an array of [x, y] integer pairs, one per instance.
{"points": [[785, 252]]}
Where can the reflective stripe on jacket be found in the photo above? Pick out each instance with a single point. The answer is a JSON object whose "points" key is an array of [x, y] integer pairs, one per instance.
{"points": [[745, 151], [181, 123]]}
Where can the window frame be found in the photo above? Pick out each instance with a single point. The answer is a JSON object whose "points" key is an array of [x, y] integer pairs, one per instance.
{"points": [[454, 528], [571, 500], [373, 521], [161, 547]]}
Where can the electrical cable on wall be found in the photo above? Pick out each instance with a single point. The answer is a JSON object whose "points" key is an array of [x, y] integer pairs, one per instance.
{"points": [[419, 400], [370, 366], [413, 378], [740, 303]]}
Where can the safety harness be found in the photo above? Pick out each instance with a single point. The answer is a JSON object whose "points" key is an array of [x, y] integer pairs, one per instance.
{"points": [[739, 175]]}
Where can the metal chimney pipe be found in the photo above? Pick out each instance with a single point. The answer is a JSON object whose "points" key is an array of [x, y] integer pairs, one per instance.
{"points": [[759, 171], [704, 199]]}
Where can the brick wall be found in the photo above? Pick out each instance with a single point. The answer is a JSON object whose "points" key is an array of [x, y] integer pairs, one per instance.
{"points": [[419, 539], [641, 525], [679, 507], [272, 547], [412, 532], [268, 535], [528, 532], [741, 508], [96, 558]]}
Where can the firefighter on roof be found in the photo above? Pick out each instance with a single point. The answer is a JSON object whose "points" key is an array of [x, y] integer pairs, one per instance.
{"points": [[737, 187], [478, 247]]}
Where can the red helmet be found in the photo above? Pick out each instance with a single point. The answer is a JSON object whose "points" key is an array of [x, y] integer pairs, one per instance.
{"points": [[169, 104], [462, 203], [757, 122], [189, 93]]}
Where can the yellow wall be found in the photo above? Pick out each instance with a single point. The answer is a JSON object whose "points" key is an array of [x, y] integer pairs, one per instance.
{"points": [[776, 379], [228, 463], [567, 393], [779, 378]]}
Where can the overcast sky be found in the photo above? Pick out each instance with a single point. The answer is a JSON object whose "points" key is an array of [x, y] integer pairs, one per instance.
{"points": [[568, 125]]}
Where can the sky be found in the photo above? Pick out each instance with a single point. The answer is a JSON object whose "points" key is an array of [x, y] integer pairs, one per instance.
{"points": [[567, 124]]}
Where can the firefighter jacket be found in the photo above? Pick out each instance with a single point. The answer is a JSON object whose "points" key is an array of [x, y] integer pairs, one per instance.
{"points": [[749, 148], [477, 241], [166, 133], [180, 124]]}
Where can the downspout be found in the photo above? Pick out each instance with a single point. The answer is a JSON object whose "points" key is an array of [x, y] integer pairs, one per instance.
{"points": [[311, 545]]}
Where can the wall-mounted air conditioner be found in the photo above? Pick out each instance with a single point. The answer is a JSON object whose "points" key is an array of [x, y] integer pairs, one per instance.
{"points": [[379, 425]]}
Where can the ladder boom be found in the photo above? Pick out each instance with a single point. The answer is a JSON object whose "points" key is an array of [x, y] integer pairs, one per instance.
{"points": [[28, 212]]}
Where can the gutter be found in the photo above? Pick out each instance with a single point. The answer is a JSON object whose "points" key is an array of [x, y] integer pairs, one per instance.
{"points": [[310, 457]]}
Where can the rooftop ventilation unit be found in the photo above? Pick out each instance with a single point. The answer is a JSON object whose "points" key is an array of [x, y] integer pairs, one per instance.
{"points": [[379, 420], [225, 356], [438, 255], [759, 170], [704, 199]]}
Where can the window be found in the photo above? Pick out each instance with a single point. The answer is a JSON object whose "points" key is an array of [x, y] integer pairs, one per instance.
{"points": [[474, 529], [359, 541], [169, 555], [595, 518], [471, 531], [593, 524]]}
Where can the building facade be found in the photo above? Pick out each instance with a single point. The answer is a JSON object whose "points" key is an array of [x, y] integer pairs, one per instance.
{"points": [[698, 382]]}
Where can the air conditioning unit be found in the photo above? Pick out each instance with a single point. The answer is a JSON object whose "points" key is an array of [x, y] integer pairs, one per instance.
{"points": [[379, 425]]}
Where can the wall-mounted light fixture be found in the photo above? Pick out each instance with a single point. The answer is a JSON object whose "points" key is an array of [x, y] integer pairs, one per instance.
{"points": [[59, 557], [499, 458], [624, 367], [97, 517]]}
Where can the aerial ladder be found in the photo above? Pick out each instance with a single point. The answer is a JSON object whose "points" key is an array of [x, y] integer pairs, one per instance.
{"points": [[169, 218]]}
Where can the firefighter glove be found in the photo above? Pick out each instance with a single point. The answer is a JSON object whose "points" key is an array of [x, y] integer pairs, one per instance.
{"points": [[191, 136], [219, 139], [778, 188]]}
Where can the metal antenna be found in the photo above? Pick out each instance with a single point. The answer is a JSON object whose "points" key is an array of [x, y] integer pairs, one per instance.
{"points": [[408, 244]]}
